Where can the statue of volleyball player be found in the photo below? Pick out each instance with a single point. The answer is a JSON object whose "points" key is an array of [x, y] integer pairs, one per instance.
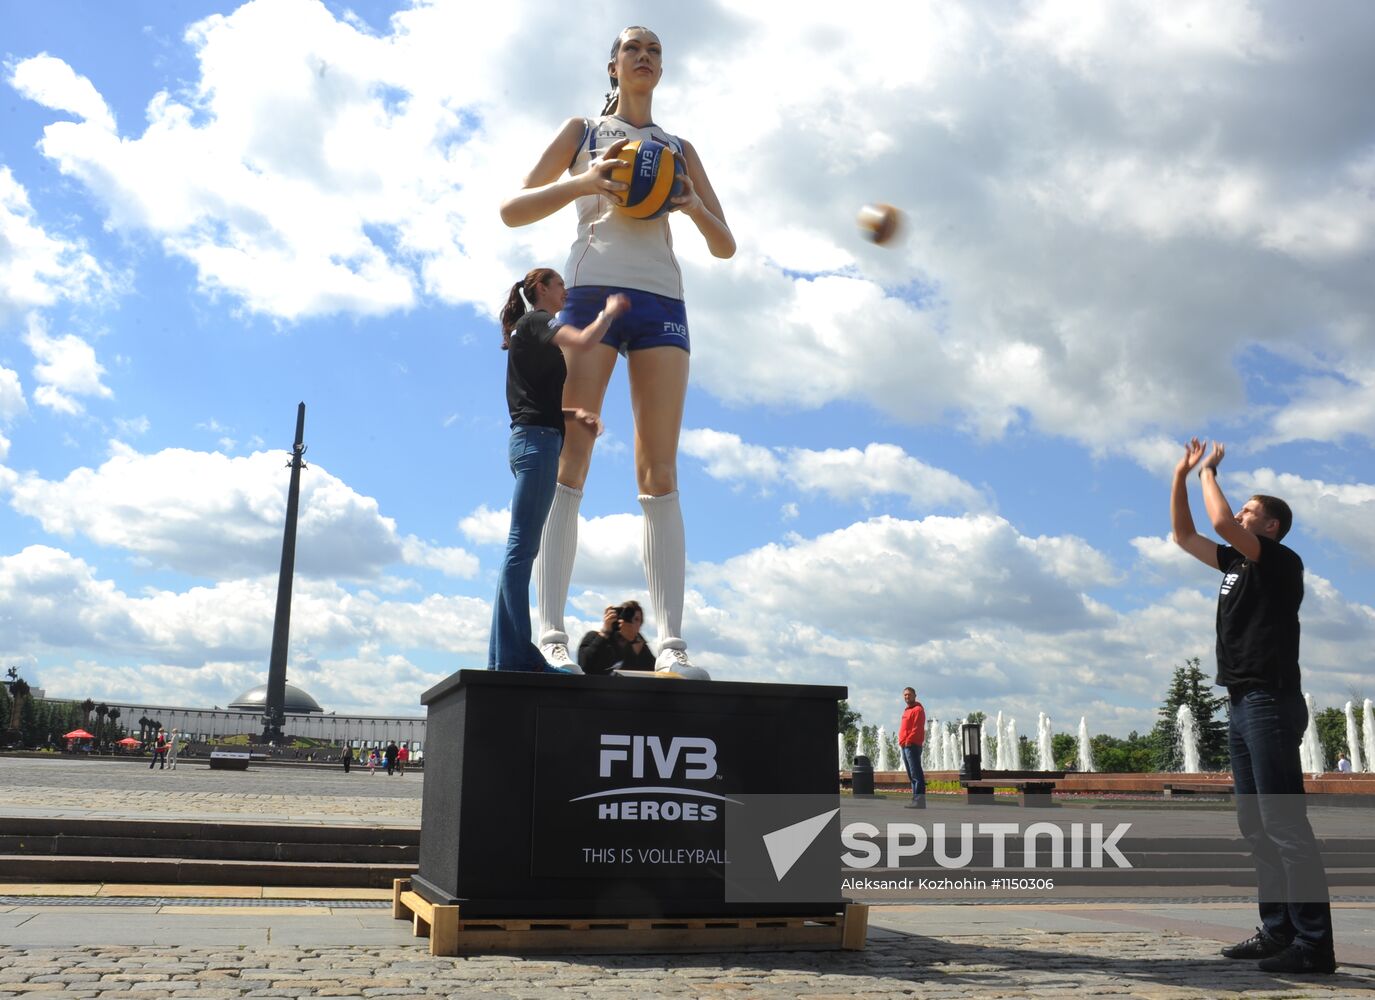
{"points": [[617, 254]]}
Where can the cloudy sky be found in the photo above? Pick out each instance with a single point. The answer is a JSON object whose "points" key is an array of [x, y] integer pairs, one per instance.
{"points": [[943, 463]]}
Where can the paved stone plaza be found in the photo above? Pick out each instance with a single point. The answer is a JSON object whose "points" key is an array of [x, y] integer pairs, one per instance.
{"points": [[157, 941]]}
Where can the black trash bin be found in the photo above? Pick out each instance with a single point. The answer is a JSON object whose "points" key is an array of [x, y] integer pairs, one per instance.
{"points": [[862, 776], [971, 743]]}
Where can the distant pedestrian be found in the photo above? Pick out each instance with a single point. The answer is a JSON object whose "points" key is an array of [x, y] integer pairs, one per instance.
{"points": [[1343, 763], [172, 746], [911, 738], [390, 754], [159, 751], [403, 754], [372, 761], [348, 759]]}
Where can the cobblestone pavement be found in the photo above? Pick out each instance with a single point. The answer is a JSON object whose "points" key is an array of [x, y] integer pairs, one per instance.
{"points": [[1022, 965], [178, 948]]}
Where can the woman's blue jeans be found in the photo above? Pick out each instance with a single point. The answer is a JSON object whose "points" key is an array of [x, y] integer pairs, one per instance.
{"points": [[1264, 734], [534, 453]]}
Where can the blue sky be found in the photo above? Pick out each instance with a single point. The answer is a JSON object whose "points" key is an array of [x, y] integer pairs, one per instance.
{"points": [[944, 463]]}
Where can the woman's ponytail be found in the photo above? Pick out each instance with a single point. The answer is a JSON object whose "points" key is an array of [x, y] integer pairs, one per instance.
{"points": [[521, 299], [511, 312]]}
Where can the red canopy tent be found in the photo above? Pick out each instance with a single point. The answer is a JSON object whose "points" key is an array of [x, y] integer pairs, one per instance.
{"points": [[129, 741], [78, 734]]}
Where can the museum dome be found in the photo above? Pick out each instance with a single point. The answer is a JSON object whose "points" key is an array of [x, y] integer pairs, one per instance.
{"points": [[298, 702]]}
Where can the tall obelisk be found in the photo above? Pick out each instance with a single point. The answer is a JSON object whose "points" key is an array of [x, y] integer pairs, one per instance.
{"points": [[274, 715]]}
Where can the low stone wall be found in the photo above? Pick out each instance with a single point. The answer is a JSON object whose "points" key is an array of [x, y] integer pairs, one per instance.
{"points": [[1153, 782]]}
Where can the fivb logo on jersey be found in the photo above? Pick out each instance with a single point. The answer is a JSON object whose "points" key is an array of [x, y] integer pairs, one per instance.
{"points": [[641, 757]]}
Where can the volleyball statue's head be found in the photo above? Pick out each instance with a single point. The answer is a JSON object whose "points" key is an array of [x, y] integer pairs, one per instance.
{"points": [[642, 58], [653, 174]]}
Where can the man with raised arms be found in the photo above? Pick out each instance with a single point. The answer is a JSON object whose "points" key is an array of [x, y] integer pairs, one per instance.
{"points": [[1258, 664]]}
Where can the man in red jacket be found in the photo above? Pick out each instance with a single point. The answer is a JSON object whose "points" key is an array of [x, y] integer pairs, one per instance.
{"points": [[911, 736]]}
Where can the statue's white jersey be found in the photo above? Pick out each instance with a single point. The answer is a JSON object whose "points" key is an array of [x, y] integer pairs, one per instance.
{"points": [[614, 249]]}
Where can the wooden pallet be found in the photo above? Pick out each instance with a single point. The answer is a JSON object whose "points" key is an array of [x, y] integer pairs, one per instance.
{"points": [[449, 934]]}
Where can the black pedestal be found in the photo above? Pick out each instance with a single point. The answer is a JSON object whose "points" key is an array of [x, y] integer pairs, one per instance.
{"points": [[550, 795]]}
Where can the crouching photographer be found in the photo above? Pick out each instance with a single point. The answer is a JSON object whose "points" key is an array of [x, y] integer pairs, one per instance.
{"points": [[619, 644]]}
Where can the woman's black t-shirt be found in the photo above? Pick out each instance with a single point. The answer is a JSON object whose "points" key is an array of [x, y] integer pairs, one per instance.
{"points": [[535, 372]]}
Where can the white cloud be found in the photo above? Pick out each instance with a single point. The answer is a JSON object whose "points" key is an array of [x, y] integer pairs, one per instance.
{"points": [[216, 516], [132, 426], [966, 609], [1341, 513], [608, 547], [12, 403], [485, 526], [912, 581], [727, 456], [878, 470], [208, 643], [1328, 407], [449, 560], [846, 474], [36, 268], [52, 83], [1058, 169], [67, 368], [39, 268], [313, 169], [609, 556]]}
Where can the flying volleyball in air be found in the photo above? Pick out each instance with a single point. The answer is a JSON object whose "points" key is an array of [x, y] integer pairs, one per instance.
{"points": [[879, 222], [653, 174]]}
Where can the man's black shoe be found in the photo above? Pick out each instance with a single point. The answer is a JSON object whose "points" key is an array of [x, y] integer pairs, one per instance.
{"points": [[1258, 945], [1297, 958]]}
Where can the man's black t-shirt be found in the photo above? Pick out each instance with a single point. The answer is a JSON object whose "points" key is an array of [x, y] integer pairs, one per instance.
{"points": [[535, 372], [1258, 616]]}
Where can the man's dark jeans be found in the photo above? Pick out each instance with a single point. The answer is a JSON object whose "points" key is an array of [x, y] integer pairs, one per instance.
{"points": [[911, 759], [1264, 735]]}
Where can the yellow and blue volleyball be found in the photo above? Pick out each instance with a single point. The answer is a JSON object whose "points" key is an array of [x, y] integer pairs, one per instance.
{"points": [[653, 173]]}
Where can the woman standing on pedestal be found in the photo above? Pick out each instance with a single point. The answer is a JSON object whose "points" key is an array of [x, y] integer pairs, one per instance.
{"points": [[534, 339], [615, 253]]}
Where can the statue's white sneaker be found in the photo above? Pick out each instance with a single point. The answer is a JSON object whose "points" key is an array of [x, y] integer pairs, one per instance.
{"points": [[676, 660], [556, 655]]}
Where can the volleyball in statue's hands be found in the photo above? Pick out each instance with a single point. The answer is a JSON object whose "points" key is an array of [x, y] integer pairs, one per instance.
{"points": [[652, 173], [879, 222]]}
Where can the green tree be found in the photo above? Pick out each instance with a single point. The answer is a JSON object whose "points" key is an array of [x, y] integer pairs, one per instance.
{"points": [[1064, 748], [868, 744], [28, 723], [848, 722], [19, 695], [1190, 686], [1331, 725], [847, 718], [1130, 756]]}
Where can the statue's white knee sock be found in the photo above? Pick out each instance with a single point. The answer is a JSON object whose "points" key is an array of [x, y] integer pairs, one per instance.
{"points": [[554, 565], [665, 565]]}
